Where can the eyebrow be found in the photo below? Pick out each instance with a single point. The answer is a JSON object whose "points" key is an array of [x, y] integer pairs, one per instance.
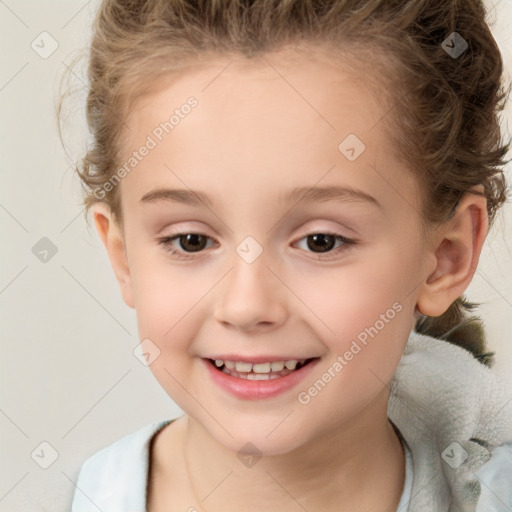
{"points": [[320, 194]]}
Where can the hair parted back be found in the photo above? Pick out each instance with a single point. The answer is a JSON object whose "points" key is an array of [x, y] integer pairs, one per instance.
{"points": [[442, 115]]}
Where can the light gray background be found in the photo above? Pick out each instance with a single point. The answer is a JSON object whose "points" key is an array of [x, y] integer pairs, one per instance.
{"points": [[68, 374]]}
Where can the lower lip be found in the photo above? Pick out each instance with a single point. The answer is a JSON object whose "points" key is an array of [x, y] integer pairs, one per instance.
{"points": [[258, 389]]}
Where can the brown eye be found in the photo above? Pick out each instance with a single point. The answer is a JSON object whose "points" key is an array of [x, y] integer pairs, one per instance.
{"points": [[317, 243], [189, 243], [192, 242], [325, 243]]}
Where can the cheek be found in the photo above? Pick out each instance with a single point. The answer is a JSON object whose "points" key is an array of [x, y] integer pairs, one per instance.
{"points": [[364, 313], [371, 327], [170, 308], [167, 309], [163, 291], [347, 299]]}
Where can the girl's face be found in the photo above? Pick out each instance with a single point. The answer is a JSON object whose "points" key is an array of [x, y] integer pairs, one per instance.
{"points": [[260, 285]]}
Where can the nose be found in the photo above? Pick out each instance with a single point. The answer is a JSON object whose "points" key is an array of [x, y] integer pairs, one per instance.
{"points": [[251, 297]]}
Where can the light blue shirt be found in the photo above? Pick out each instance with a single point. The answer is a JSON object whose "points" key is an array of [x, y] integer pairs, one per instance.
{"points": [[115, 478]]}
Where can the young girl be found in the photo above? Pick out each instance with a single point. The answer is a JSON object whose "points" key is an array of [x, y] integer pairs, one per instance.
{"points": [[294, 196]]}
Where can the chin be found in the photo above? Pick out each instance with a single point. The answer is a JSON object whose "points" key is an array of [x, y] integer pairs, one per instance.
{"points": [[258, 442]]}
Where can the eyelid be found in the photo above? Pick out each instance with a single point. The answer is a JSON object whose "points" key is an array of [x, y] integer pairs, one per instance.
{"points": [[305, 232], [327, 231]]}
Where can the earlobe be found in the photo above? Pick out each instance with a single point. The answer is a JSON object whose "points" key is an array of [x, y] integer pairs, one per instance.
{"points": [[456, 253], [113, 240]]}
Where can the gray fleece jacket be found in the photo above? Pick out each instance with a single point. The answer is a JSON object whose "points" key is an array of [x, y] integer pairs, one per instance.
{"points": [[456, 417]]}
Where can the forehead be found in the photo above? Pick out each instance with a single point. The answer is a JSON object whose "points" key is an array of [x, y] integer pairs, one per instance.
{"points": [[298, 81], [259, 124]]}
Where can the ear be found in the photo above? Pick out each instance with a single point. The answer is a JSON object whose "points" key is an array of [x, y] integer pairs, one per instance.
{"points": [[456, 249], [113, 239]]}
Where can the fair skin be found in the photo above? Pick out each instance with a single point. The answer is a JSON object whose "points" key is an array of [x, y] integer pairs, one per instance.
{"points": [[251, 139]]}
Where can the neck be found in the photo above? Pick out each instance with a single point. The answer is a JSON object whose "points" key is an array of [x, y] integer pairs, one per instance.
{"points": [[360, 465]]}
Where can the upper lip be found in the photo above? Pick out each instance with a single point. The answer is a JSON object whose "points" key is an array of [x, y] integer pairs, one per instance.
{"points": [[258, 359]]}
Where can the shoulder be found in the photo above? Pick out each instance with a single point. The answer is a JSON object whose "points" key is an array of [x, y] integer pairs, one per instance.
{"points": [[495, 478], [130, 448], [116, 475]]}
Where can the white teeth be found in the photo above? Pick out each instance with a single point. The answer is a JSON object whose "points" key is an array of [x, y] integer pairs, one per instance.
{"points": [[277, 366], [243, 367], [256, 376], [259, 368]]}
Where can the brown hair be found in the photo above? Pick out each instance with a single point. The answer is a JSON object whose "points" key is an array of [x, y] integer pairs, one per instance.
{"points": [[443, 108]]}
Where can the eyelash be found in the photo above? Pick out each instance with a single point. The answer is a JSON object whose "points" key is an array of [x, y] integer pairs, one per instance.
{"points": [[347, 244]]}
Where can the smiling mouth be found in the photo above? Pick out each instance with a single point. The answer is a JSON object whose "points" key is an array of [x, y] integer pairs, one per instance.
{"points": [[261, 371]]}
